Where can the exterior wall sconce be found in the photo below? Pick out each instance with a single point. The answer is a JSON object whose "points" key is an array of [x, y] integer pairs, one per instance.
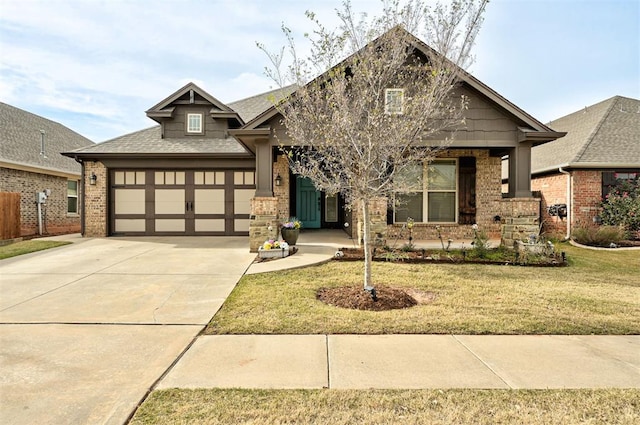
{"points": [[278, 180], [93, 178]]}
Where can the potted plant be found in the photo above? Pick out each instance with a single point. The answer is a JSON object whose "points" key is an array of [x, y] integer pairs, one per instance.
{"points": [[273, 249], [290, 230]]}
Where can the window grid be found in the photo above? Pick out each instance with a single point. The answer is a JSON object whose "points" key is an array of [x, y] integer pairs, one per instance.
{"points": [[194, 123], [436, 201]]}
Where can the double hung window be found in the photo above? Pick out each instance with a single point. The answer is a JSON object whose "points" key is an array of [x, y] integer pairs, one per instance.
{"points": [[428, 192]]}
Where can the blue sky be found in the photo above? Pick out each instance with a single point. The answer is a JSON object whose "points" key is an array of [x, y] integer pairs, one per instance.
{"points": [[96, 66]]}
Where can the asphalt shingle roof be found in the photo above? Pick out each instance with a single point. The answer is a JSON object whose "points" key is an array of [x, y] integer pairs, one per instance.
{"points": [[253, 106], [607, 132], [20, 141], [149, 141]]}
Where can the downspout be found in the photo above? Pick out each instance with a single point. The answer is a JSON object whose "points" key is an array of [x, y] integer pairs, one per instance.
{"points": [[569, 215], [81, 195]]}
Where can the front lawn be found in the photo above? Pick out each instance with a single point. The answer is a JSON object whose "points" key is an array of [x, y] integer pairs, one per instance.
{"points": [[27, 247], [535, 407], [599, 293]]}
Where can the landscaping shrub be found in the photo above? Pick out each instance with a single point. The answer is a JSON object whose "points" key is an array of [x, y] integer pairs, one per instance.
{"points": [[621, 207], [598, 235]]}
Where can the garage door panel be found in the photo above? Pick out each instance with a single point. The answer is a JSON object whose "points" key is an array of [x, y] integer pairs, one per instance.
{"points": [[170, 225], [210, 225], [209, 201], [130, 225], [170, 201], [129, 201], [242, 200]]}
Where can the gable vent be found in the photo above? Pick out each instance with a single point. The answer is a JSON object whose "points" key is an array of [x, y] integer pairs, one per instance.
{"points": [[191, 96]]}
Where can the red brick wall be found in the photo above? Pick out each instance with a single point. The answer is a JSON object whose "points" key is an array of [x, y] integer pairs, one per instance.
{"points": [[554, 191], [587, 195], [95, 200], [56, 220]]}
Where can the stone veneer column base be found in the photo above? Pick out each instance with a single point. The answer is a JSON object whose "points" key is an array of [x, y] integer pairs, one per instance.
{"points": [[520, 220], [264, 223]]}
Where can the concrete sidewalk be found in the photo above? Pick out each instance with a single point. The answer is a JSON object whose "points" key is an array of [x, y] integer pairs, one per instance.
{"points": [[408, 362]]}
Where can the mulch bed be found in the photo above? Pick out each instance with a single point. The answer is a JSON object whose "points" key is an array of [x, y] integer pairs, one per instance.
{"points": [[432, 256], [355, 297]]}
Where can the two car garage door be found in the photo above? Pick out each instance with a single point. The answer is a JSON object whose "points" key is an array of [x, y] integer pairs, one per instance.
{"points": [[181, 202]]}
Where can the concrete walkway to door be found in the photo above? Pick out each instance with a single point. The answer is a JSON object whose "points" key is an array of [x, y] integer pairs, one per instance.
{"points": [[87, 329]]}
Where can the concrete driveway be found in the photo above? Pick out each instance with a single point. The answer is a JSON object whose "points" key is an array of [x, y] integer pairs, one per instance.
{"points": [[87, 329]]}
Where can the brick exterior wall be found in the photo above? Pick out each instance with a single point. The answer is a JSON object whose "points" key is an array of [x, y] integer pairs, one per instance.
{"points": [[281, 168], [554, 191], [587, 195], [56, 220], [95, 224]]}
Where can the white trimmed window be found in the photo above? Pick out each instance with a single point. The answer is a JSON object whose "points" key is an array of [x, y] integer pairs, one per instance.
{"points": [[394, 101], [194, 123], [72, 197], [430, 193]]}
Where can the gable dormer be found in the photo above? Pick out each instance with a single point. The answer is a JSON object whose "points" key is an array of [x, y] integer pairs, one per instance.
{"points": [[191, 112]]}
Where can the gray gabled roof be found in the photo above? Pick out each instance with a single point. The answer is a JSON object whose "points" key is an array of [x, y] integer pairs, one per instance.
{"points": [[149, 141], [21, 142], [604, 135], [251, 107], [527, 121]]}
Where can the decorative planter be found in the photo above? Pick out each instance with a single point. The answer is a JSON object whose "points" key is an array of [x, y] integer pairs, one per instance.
{"points": [[290, 235], [273, 253]]}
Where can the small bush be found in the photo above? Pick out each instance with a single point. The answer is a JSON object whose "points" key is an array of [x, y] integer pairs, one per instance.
{"points": [[621, 207], [598, 235]]}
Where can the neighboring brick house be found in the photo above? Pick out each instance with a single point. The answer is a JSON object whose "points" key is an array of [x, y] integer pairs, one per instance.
{"points": [[30, 162], [216, 169], [575, 172]]}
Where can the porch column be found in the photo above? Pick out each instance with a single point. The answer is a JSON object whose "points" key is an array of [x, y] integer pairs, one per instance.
{"points": [[520, 171], [264, 168]]}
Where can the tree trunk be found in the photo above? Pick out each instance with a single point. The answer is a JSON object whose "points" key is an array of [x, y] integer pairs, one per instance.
{"points": [[366, 243]]}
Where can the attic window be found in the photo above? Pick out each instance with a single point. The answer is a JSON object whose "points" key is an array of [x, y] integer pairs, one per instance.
{"points": [[194, 123], [394, 101]]}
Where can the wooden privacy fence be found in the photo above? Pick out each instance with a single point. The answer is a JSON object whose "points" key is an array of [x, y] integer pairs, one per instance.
{"points": [[9, 215]]}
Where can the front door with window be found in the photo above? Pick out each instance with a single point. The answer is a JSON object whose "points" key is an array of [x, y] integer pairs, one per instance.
{"points": [[307, 203]]}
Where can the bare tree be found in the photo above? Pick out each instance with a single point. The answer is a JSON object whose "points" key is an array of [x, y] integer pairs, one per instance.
{"points": [[373, 99]]}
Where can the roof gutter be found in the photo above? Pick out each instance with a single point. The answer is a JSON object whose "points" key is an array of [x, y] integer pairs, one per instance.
{"points": [[589, 165], [569, 203]]}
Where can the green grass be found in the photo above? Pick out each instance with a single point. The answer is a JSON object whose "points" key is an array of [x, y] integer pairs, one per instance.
{"points": [[336, 407], [27, 247], [599, 293]]}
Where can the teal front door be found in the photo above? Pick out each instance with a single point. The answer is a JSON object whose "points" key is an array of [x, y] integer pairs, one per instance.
{"points": [[307, 203]]}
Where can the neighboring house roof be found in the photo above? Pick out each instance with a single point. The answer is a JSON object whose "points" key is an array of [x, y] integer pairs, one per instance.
{"points": [[149, 142], [604, 135], [21, 142], [253, 106]]}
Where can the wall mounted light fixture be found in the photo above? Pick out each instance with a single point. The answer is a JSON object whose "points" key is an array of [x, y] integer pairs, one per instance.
{"points": [[93, 178], [278, 180]]}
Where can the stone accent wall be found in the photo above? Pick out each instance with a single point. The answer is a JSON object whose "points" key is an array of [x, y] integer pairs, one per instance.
{"points": [[587, 194], [554, 191], [281, 168], [264, 223], [56, 220], [95, 224], [520, 219]]}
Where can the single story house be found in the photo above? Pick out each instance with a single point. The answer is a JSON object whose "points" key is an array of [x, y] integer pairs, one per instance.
{"points": [[31, 165], [574, 173], [210, 168]]}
